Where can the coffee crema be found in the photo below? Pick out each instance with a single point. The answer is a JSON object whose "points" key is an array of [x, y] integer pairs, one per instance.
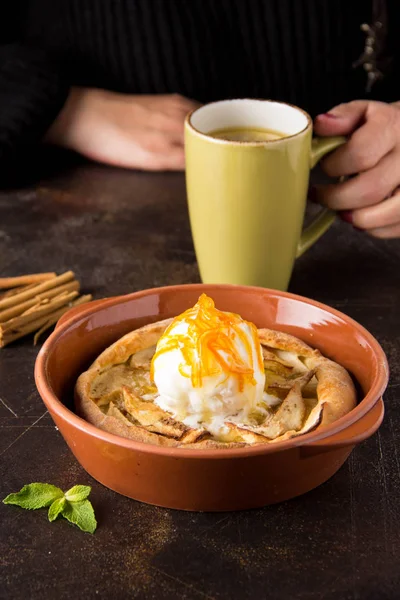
{"points": [[246, 134]]}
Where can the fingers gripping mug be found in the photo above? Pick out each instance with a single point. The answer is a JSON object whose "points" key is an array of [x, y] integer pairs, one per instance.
{"points": [[247, 170]]}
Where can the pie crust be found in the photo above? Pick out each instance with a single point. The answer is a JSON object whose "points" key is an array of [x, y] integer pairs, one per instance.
{"points": [[305, 391]]}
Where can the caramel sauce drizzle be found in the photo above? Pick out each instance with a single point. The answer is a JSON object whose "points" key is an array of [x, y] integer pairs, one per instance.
{"points": [[209, 345]]}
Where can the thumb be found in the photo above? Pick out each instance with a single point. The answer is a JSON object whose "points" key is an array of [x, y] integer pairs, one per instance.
{"points": [[342, 119]]}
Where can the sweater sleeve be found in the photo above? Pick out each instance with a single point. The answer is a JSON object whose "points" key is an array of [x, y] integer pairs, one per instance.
{"points": [[32, 92]]}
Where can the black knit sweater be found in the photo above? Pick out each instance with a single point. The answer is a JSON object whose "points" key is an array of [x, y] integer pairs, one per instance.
{"points": [[300, 51]]}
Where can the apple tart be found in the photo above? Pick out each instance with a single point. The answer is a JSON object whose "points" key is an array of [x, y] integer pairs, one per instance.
{"points": [[302, 390]]}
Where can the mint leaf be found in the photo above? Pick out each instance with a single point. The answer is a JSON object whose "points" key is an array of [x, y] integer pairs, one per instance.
{"points": [[73, 506], [78, 493], [34, 495], [56, 508], [81, 514]]}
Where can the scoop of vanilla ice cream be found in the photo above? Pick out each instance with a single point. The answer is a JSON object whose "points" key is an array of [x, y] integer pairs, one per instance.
{"points": [[208, 367]]}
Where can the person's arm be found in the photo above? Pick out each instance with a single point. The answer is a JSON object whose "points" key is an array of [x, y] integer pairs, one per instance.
{"points": [[37, 104], [32, 90], [370, 198], [125, 130]]}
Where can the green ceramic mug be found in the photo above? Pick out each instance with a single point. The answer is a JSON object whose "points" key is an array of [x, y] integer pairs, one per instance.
{"points": [[247, 199]]}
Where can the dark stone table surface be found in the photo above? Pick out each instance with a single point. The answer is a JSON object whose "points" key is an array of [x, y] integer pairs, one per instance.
{"points": [[123, 231]]}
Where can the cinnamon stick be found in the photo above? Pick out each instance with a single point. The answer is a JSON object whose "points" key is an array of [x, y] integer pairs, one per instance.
{"points": [[38, 289], [53, 320], [43, 303], [19, 322], [19, 309], [18, 290], [36, 302], [12, 282], [44, 322], [8, 338]]}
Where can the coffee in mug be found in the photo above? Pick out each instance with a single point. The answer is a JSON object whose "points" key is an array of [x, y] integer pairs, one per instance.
{"points": [[246, 134]]}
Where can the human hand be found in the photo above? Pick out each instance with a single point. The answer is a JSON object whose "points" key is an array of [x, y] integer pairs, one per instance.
{"points": [[138, 132], [370, 200]]}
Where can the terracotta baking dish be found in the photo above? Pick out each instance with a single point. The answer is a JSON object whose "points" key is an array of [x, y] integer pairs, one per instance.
{"points": [[211, 480]]}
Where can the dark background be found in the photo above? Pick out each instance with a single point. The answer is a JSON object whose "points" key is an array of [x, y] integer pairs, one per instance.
{"points": [[124, 231]]}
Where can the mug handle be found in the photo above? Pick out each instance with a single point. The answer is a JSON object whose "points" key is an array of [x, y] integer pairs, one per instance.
{"points": [[325, 218]]}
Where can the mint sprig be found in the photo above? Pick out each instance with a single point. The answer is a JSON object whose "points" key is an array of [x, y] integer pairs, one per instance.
{"points": [[73, 505], [81, 514], [35, 495], [56, 508], [78, 493]]}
